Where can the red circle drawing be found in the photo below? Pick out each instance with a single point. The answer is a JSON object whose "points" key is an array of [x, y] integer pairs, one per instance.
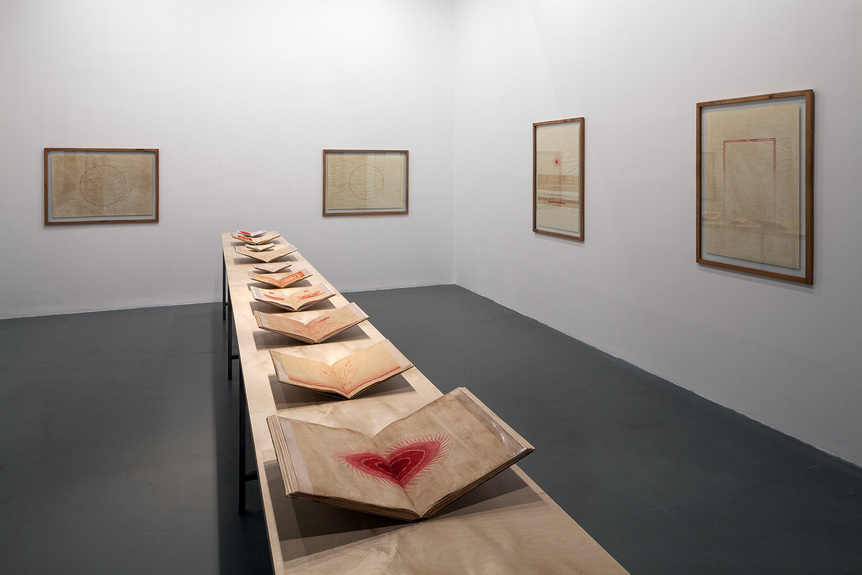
{"points": [[102, 185], [364, 180]]}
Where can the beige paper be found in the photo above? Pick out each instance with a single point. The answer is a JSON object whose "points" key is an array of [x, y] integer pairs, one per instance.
{"points": [[266, 256], [272, 268], [280, 280], [360, 181], [412, 468], [751, 186], [558, 194], [293, 299], [87, 185], [325, 325], [264, 238], [346, 377]]}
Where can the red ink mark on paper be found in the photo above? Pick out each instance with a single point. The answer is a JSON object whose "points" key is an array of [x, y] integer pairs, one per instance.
{"points": [[94, 180], [310, 295], [271, 295], [344, 388], [403, 462]]}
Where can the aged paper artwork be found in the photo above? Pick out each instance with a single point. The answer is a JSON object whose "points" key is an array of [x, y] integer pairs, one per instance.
{"points": [[358, 182], [412, 468], [346, 377], [751, 201], [558, 167], [89, 185]]}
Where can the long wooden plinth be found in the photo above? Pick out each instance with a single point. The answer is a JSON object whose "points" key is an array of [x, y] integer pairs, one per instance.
{"points": [[506, 525]]}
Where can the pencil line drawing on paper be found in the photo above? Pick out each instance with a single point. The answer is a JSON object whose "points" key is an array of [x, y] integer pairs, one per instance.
{"points": [[93, 185], [359, 181], [558, 178], [751, 207]]}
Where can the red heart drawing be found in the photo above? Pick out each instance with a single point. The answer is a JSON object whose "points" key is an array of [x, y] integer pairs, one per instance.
{"points": [[401, 463]]}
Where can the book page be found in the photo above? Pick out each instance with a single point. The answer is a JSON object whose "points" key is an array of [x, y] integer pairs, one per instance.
{"points": [[280, 279], [303, 297], [330, 322], [306, 372], [280, 323], [367, 366], [321, 472], [447, 445]]}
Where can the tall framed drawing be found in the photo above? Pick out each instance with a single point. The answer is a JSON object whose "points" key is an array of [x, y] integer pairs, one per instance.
{"points": [[755, 185], [101, 185], [558, 178], [365, 182]]}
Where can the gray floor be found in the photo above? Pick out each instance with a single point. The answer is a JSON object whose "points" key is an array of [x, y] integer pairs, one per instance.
{"points": [[118, 446]]}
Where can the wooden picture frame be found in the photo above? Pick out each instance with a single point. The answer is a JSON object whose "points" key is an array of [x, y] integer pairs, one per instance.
{"points": [[558, 178], [101, 185], [755, 185], [365, 182]]}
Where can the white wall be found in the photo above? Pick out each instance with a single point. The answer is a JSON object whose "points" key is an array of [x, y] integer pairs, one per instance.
{"points": [[787, 355], [240, 98]]}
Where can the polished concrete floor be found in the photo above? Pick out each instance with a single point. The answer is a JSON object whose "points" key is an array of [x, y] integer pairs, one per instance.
{"points": [[118, 446]]}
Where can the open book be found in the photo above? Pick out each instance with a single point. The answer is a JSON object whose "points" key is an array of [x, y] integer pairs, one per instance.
{"points": [[266, 256], [293, 299], [258, 237], [273, 267], [346, 377], [321, 328], [410, 469], [280, 280], [259, 247]]}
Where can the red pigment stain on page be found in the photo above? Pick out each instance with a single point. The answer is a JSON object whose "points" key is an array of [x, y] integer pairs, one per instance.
{"points": [[401, 463], [310, 295]]}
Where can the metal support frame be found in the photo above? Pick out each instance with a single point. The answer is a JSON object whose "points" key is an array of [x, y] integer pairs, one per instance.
{"points": [[227, 314], [244, 476]]}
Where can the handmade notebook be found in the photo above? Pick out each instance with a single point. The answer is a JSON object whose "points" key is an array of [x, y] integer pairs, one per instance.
{"points": [[280, 280], [273, 267], [266, 256], [410, 469], [325, 325], [261, 237], [293, 299], [259, 247], [346, 377]]}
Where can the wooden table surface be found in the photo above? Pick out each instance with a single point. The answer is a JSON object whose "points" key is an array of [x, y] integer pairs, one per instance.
{"points": [[506, 525]]}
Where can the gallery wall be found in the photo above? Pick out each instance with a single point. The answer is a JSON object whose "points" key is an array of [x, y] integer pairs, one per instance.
{"points": [[240, 98], [784, 354]]}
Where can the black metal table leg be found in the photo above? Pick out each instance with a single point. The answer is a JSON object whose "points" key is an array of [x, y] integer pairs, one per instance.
{"points": [[230, 356], [243, 475], [223, 290]]}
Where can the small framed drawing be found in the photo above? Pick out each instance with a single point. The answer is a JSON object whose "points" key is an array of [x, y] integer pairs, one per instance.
{"points": [[558, 178], [755, 185], [364, 182], [101, 185]]}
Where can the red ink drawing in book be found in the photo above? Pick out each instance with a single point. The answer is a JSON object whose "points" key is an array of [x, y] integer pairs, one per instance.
{"points": [[403, 462], [310, 295], [271, 295]]}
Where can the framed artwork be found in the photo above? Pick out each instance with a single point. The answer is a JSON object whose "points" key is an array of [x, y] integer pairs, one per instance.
{"points": [[101, 185], [364, 182], [558, 178], [755, 185]]}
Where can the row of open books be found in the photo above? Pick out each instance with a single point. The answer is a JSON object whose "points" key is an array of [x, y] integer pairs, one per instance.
{"points": [[410, 469]]}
